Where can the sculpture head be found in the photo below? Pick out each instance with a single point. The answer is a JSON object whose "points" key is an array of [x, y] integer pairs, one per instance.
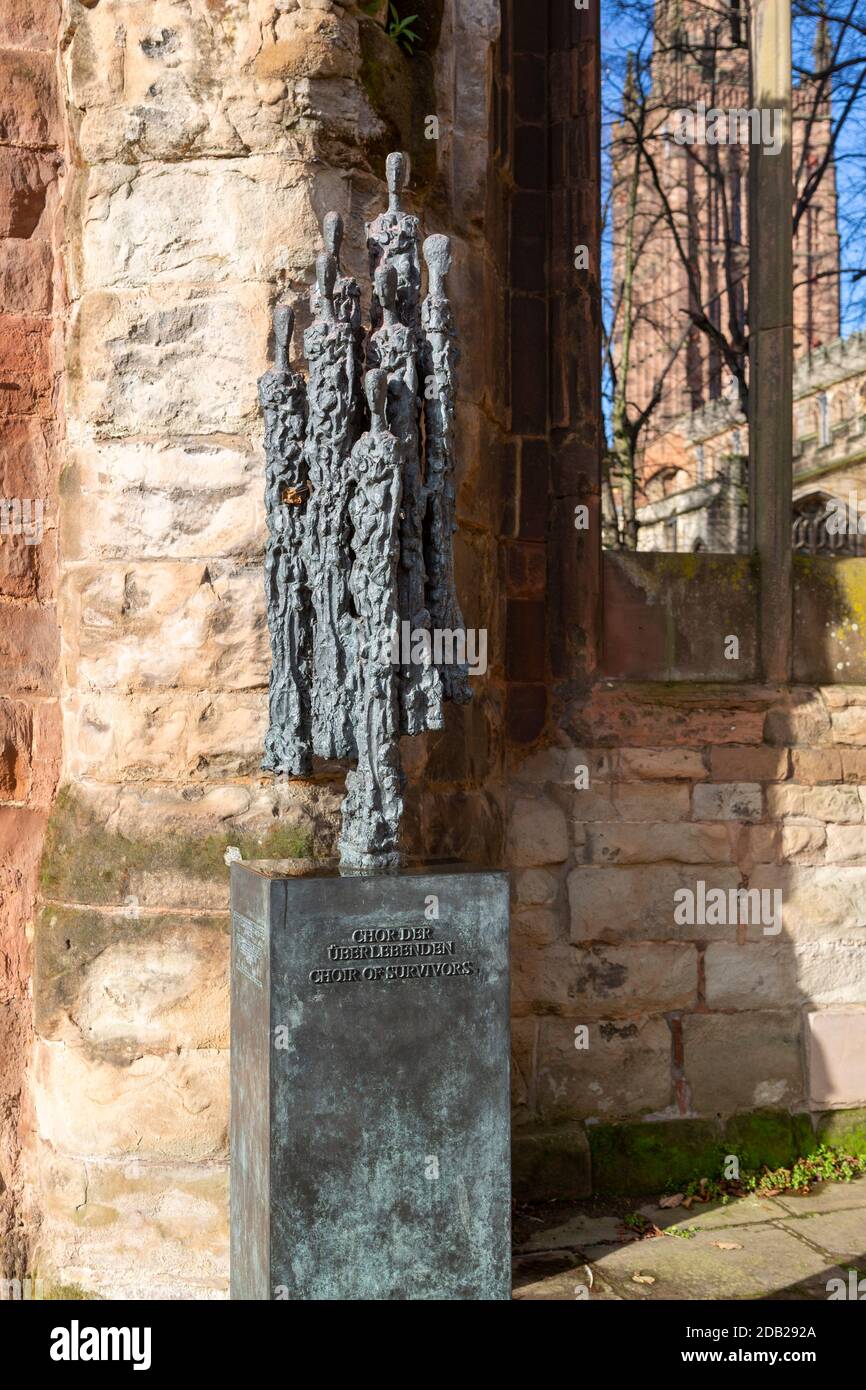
{"points": [[437, 258], [284, 324], [376, 388], [332, 233], [385, 284], [326, 276], [395, 172]]}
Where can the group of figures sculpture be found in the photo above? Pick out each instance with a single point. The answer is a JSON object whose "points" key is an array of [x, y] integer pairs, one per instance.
{"points": [[361, 514]]}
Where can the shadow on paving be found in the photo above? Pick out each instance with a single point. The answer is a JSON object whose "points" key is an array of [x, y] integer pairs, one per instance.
{"points": [[784, 1248]]}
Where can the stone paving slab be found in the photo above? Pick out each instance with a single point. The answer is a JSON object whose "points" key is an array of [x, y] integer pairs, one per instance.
{"points": [[770, 1258], [742, 1211], [787, 1248], [837, 1232], [831, 1196]]}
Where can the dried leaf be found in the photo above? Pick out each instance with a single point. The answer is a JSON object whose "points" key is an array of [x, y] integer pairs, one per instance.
{"points": [[726, 1245]]}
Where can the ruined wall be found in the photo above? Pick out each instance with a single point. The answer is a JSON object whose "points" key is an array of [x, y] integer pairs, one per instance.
{"points": [[208, 140], [31, 427], [715, 1021]]}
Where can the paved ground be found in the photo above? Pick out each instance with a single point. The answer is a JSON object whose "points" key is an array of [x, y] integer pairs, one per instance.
{"points": [[777, 1248]]}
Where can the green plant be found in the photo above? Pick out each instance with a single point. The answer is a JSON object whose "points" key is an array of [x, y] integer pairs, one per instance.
{"points": [[401, 31]]}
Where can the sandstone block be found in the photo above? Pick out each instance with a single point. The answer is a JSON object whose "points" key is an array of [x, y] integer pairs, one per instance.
{"points": [[816, 765], [626, 1069], [29, 107], [815, 803], [747, 764], [537, 833], [727, 801], [751, 975], [626, 903], [172, 361], [836, 1045], [173, 1105], [663, 763], [742, 1061], [622, 843]]}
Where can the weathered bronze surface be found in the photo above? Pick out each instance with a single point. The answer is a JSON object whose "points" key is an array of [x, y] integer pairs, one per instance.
{"points": [[370, 1087]]}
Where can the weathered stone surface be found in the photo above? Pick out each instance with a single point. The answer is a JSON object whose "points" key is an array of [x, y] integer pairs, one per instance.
{"points": [[628, 843], [817, 764], [198, 221], [625, 1070], [800, 718], [739, 801], [832, 972], [29, 23], [180, 627], [26, 366], [140, 354], [815, 803], [28, 649], [755, 975], [106, 1222], [29, 108], [742, 1061], [162, 1105], [536, 887], [762, 764], [118, 995], [537, 833], [26, 276], [836, 1050], [623, 981], [551, 1164], [628, 903], [633, 801], [817, 903], [662, 762], [188, 517]]}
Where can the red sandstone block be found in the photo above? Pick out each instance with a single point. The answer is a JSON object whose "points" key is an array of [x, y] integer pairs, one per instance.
{"points": [[29, 109], [25, 457], [29, 649], [744, 764], [29, 23], [16, 746], [45, 771], [26, 275], [526, 570], [666, 763], [630, 714], [26, 377], [27, 571], [813, 765], [25, 178]]}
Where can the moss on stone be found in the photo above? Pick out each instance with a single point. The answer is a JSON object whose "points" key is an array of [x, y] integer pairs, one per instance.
{"points": [[401, 88], [656, 1156], [68, 1293], [843, 1129], [768, 1138], [83, 862], [551, 1164]]}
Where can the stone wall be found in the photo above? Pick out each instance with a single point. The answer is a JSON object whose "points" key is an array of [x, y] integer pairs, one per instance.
{"points": [[648, 790], [31, 429], [208, 141]]}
